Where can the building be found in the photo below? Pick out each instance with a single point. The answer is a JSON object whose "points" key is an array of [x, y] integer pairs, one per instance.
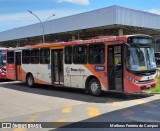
{"points": [[112, 20]]}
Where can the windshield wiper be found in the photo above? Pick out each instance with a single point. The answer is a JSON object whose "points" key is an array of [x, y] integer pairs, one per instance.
{"points": [[128, 44]]}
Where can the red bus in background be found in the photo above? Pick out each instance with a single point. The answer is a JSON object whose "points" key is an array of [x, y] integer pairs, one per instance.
{"points": [[3, 63], [124, 64]]}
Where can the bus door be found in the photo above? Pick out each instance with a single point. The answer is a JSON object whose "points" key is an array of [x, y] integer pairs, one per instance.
{"points": [[18, 65], [57, 67], [115, 68]]}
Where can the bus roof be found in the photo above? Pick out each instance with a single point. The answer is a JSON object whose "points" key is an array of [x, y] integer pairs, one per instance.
{"points": [[98, 39]]}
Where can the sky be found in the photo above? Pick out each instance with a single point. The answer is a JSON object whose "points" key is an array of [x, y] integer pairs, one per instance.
{"points": [[14, 13]]}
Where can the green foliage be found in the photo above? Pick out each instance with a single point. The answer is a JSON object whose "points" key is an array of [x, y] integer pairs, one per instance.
{"points": [[158, 87]]}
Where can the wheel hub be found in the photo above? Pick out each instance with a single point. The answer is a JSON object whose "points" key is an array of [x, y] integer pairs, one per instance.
{"points": [[94, 87], [30, 81]]}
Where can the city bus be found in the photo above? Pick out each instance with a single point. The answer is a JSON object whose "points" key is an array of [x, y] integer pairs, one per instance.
{"points": [[124, 64], [3, 63], [157, 57]]}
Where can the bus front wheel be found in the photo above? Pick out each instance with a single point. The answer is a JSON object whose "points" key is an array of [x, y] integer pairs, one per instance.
{"points": [[30, 80], [94, 87]]}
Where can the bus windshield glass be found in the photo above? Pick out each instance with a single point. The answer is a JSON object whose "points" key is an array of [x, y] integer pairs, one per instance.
{"points": [[140, 58], [3, 58], [140, 40]]}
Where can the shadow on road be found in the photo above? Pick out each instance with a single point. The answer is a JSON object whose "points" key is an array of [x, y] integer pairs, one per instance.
{"points": [[69, 93], [5, 80], [147, 112]]}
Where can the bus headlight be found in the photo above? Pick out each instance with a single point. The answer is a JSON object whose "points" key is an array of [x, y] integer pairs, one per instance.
{"points": [[132, 79]]}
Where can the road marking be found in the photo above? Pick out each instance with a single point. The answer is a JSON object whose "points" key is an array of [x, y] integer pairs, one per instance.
{"points": [[19, 129], [93, 111], [61, 120], [66, 109], [138, 101], [117, 104], [32, 119], [127, 113]]}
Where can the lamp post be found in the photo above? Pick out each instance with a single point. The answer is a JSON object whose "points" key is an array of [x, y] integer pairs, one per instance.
{"points": [[42, 23]]}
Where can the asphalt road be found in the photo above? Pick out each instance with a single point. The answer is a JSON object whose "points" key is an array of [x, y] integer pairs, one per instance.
{"points": [[19, 103]]}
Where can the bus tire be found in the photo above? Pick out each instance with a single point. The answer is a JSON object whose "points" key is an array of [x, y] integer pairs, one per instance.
{"points": [[94, 87], [30, 81]]}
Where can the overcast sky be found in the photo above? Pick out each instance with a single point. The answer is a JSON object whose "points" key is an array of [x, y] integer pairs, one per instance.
{"points": [[13, 13]]}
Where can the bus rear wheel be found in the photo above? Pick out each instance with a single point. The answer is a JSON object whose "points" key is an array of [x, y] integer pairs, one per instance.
{"points": [[94, 87], [30, 80]]}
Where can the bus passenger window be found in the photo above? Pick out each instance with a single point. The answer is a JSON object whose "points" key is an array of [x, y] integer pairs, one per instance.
{"points": [[35, 56], [96, 53], [45, 56], [80, 54], [68, 55], [10, 57], [26, 54]]}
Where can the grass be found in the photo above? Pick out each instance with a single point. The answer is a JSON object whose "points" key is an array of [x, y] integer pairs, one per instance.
{"points": [[157, 90]]}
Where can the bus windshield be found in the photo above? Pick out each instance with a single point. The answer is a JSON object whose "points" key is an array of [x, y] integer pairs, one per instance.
{"points": [[140, 58], [3, 59]]}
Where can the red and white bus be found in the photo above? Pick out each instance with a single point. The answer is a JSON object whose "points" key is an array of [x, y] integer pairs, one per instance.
{"points": [[3, 63], [112, 63]]}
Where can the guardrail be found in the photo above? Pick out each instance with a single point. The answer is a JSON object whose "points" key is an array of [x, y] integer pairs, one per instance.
{"points": [[158, 71]]}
